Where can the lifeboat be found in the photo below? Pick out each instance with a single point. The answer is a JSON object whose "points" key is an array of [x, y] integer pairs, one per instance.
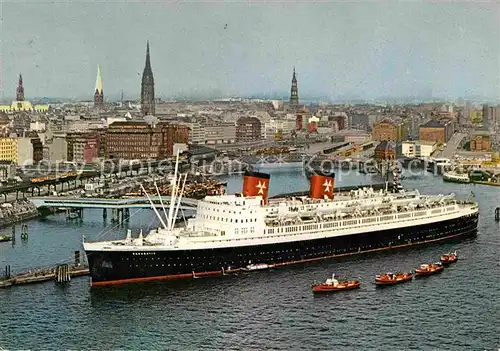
{"points": [[429, 269], [449, 258], [391, 278], [332, 285]]}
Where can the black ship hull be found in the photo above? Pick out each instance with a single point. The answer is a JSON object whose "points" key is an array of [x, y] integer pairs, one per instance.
{"points": [[116, 267]]}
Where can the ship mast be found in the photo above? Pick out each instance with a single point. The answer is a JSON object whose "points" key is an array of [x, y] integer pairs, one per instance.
{"points": [[154, 208], [180, 198], [174, 193], [161, 201]]}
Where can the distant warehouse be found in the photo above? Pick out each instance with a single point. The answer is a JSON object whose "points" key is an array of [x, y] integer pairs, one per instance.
{"points": [[439, 131]]}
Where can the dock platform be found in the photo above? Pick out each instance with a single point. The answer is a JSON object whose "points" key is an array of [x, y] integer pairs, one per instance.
{"points": [[40, 276]]}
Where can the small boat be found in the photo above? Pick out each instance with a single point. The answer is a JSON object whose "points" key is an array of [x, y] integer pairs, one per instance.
{"points": [[5, 238], [449, 258], [456, 177], [256, 267], [391, 278], [429, 269], [73, 215], [332, 284]]}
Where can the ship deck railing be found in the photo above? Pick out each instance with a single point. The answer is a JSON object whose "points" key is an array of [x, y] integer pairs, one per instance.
{"points": [[351, 215]]}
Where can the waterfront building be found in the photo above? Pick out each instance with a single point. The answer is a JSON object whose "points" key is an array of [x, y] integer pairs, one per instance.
{"points": [[55, 149], [390, 130], [174, 136], [248, 129], [132, 140], [22, 151], [439, 131], [220, 132], [98, 93], [480, 141], [279, 127], [302, 118], [196, 133], [82, 147], [8, 149], [147, 87], [136, 140], [384, 151], [417, 148]]}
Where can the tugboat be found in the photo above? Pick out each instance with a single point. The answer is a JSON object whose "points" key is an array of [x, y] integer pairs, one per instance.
{"points": [[5, 238], [429, 269], [256, 267], [332, 285], [391, 279], [449, 258]]}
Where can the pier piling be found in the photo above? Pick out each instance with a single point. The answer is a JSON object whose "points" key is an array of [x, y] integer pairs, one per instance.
{"points": [[62, 274], [77, 258], [24, 232], [104, 213], [497, 214], [13, 235]]}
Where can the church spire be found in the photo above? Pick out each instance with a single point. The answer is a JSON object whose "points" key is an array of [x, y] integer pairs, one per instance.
{"points": [[294, 93], [98, 93], [98, 80], [148, 62], [20, 89], [147, 87]]}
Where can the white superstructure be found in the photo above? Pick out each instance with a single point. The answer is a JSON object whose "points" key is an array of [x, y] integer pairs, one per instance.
{"points": [[231, 220]]}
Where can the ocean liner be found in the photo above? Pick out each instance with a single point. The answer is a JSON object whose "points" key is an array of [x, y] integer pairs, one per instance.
{"points": [[245, 231]]}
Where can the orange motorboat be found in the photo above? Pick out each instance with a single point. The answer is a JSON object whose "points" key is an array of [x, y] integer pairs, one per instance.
{"points": [[429, 269], [449, 258], [391, 278], [332, 285]]}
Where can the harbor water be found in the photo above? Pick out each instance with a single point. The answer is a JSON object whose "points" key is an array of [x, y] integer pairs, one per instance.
{"points": [[273, 310]]}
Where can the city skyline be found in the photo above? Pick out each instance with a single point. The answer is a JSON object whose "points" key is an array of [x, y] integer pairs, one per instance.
{"points": [[212, 50]]}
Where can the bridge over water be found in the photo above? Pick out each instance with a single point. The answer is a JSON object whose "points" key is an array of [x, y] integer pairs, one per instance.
{"points": [[99, 203]]}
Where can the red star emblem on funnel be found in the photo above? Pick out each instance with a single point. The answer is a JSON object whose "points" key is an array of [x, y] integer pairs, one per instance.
{"points": [[261, 186], [327, 185], [256, 184]]}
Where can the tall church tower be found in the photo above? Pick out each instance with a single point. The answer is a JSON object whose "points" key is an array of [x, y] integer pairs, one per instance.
{"points": [[20, 89], [98, 94], [147, 88], [294, 94]]}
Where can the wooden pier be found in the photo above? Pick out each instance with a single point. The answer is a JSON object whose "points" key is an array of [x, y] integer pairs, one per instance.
{"points": [[60, 273]]}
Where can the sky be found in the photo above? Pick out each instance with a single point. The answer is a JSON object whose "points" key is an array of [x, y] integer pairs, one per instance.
{"points": [[227, 48]]}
